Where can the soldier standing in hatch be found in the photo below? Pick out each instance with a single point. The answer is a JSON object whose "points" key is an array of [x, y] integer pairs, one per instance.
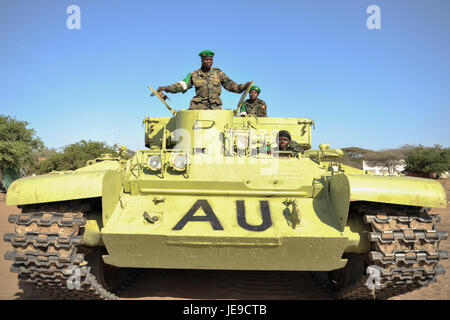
{"points": [[254, 105], [208, 84], [285, 143]]}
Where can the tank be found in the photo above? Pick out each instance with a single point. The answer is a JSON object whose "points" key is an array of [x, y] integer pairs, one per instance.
{"points": [[212, 191]]}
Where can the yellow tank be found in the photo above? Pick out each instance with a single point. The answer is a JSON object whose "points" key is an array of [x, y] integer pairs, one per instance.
{"points": [[213, 191]]}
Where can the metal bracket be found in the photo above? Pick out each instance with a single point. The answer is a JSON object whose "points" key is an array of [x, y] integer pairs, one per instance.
{"points": [[151, 219], [294, 213]]}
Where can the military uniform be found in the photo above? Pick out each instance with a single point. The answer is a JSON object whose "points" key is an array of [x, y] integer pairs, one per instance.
{"points": [[294, 147], [208, 87], [257, 107]]}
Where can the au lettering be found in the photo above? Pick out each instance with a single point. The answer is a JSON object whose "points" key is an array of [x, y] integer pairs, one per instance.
{"points": [[214, 221]]}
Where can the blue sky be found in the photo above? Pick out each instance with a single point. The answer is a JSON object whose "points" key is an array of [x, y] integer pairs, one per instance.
{"points": [[374, 89]]}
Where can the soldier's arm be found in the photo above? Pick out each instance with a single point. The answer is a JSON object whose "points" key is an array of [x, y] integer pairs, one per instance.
{"points": [[230, 85], [295, 147], [180, 86]]}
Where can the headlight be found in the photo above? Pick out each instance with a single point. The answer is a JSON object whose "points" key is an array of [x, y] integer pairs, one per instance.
{"points": [[241, 142], [155, 163], [179, 162]]}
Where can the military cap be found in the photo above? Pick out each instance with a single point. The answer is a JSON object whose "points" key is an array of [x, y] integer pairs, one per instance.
{"points": [[284, 133], [206, 53], [256, 88]]}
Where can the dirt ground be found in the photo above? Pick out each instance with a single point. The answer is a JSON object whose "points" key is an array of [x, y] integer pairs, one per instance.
{"points": [[159, 284]]}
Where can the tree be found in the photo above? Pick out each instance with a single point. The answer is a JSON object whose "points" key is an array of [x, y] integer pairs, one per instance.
{"points": [[18, 144], [75, 156], [428, 160]]}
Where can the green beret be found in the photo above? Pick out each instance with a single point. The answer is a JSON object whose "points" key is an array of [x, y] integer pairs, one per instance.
{"points": [[256, 88], [206, 53]]}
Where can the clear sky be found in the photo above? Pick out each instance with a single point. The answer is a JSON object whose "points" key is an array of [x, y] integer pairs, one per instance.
{"points": [[376, 89]]}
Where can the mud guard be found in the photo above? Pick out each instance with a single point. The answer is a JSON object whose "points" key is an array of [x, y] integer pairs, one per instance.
{"points": [[344, 188], [61, 187]]}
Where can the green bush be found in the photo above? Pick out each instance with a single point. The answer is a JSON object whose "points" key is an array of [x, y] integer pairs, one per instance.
{"points": [[18, 144], [428, 160], [74, 156]]}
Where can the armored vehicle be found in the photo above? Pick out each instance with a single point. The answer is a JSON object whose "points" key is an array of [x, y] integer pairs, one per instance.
{"points": [[213, 191]]}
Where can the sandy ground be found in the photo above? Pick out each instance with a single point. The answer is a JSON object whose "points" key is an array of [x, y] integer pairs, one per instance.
{"points": [[159, 284]]}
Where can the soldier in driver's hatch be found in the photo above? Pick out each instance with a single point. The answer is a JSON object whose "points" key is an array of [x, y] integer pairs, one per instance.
{"points": [[208, 84], [254, 105], [285, 143]]}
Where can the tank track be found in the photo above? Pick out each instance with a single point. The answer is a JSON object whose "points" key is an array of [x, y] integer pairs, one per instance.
{"points": [[404, 250], [46, 244]]}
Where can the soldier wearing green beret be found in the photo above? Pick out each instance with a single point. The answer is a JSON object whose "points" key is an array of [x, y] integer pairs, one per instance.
{"points": [[208, 83], [254, 105]]}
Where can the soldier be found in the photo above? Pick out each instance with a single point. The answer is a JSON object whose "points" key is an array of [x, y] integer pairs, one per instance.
{"points": [[208, 84], [285, 143], [254, 105]]}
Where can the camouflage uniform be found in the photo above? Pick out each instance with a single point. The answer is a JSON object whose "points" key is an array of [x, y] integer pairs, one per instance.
{"points": [[294, 147], [208, 86], [257, 107]]}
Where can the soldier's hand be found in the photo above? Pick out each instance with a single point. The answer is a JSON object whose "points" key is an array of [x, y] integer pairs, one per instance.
{"points": [[247, 84]]}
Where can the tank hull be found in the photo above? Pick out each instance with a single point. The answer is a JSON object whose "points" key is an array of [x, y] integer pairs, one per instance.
{"points": [[225, 233]]}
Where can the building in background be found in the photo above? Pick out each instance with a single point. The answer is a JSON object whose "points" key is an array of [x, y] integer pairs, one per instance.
{"points": [[393, 167]]}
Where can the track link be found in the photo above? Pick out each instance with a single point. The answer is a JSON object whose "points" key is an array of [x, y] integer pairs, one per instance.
{"points": [[46, 246], [404, 252]]}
